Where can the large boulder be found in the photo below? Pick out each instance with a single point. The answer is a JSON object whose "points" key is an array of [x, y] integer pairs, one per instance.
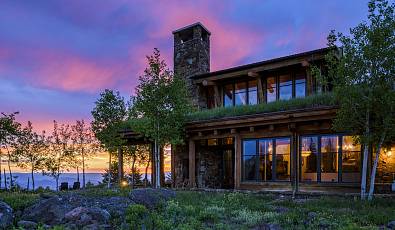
{"points": [[27, 225], [391, 224], [6, 216], [84, 216], [151, 198], [48, 211]]}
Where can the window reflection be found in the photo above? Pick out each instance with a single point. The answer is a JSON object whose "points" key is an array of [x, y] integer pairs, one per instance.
{"points": [[249, 160], [252, 92], [329, 158], [285, 82], [351, 160], [265, 159], [271, 89], [309, 158], [240, 93], [300, 85], [228, 95], [283, 159]]}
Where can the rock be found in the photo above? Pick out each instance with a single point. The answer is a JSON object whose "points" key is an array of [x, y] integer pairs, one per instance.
{"points": [[265, 226], [391, 224], [83, 216], [281, 210], [27, 225], [97, 227], [151, 198], [6, 215], [48, 211]]}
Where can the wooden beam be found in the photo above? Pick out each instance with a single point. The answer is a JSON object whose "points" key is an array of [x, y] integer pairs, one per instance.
{"points": [[233, 131], [238, 173], [200, 134], [207, 83], [271, 127], [217, 96], [252, 129], [253, 74], [215, 131], [192, 159]]}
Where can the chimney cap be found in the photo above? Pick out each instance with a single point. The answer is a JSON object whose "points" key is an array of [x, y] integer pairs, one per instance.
{"points": [[190, 26]]}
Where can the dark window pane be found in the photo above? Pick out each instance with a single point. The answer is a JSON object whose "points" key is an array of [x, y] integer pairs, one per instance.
{"points": [[249, 147], [228, 95], [249, 167], [283, 159], [329, 158], [351, 160], [300, 85], [271, 89], [265, 159], [249, 159], [300, 78], [309, 157], [285, 92], [210, 97]]}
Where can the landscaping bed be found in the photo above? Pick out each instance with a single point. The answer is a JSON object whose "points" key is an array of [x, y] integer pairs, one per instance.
{"points": [[100, 208]]}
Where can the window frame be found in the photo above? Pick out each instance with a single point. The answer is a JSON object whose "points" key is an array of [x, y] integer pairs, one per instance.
{"points": [[292, 73], [273, 155], [319, 157], [247, 92]]}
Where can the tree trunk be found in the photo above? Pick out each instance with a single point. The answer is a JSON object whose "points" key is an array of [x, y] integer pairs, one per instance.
{"points": [[33, 178], [365, 159], [5, 180], [146, 170], [120, 165], [373, 174], [78, 174], [157, 165], [133, 171], [28, 183], [83, 169], [109, 171], [0, 167], [57, 183], [9, 167]]}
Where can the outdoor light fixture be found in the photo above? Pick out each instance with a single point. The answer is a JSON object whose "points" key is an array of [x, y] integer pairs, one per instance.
{"points": [[124, 183]]}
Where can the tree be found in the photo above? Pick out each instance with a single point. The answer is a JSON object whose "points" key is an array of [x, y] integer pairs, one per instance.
{"points": [[60, 155], [31, 150], [84, 145], [9, 131], [160, 107], [108, 117], [363, 81]]}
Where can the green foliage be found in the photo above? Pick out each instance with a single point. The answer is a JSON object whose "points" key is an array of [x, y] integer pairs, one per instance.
{"points": [[19, 200], [137, 215], [313, 101], [108, 117], [161, 103]]}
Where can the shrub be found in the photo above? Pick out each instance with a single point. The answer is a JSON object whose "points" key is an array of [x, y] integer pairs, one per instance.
{"points": [[18, 200], [248, 217], [136, 215]]}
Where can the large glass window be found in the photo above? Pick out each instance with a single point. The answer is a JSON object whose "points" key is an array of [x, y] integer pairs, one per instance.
{"points": [[228, 95], [285, 82], [309, 158], [271, 161], [283, 159], [271, 91], [252, 92], [351, 160], [265, 159], [249, 160], [241, 93], [300, 85], [329, 158]]}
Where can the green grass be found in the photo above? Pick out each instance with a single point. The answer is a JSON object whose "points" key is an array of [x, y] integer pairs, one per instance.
{"points": [[18, 200], [314, 101], [201, 210]]}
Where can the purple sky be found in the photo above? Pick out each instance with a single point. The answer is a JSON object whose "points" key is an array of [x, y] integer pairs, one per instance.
{"points": [[56, 56]]}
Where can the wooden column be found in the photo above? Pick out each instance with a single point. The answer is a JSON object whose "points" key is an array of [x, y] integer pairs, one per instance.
{"points": [[260, 90], [192, 159], [217, 96], [295, 162], [238, 173], [120, 164]]}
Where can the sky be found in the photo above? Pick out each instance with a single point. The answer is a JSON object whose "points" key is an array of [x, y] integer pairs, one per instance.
{"points": [[57, 56]]}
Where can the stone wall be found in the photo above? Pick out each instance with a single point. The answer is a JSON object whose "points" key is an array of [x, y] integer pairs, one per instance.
{"points": [[209, 169]]}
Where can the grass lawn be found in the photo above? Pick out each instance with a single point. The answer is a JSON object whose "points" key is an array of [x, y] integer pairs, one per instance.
{"points": [[202, 210]]}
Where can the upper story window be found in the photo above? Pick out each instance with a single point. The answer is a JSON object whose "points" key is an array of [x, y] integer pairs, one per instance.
{"points": [[240, 93], [285, 86]]}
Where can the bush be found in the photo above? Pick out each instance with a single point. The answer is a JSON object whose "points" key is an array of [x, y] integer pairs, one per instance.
{"points": [[137, 215], [248, 217], [18, 200]]}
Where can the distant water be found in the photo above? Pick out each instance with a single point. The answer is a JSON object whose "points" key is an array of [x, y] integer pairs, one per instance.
{"points": [[46, 181]]}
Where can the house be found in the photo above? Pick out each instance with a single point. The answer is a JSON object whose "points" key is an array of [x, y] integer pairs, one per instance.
{"points": [[265, 125]]}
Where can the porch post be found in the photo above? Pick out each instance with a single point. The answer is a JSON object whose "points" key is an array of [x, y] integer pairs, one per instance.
{"points": [[192, 159], [237, 161]]}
